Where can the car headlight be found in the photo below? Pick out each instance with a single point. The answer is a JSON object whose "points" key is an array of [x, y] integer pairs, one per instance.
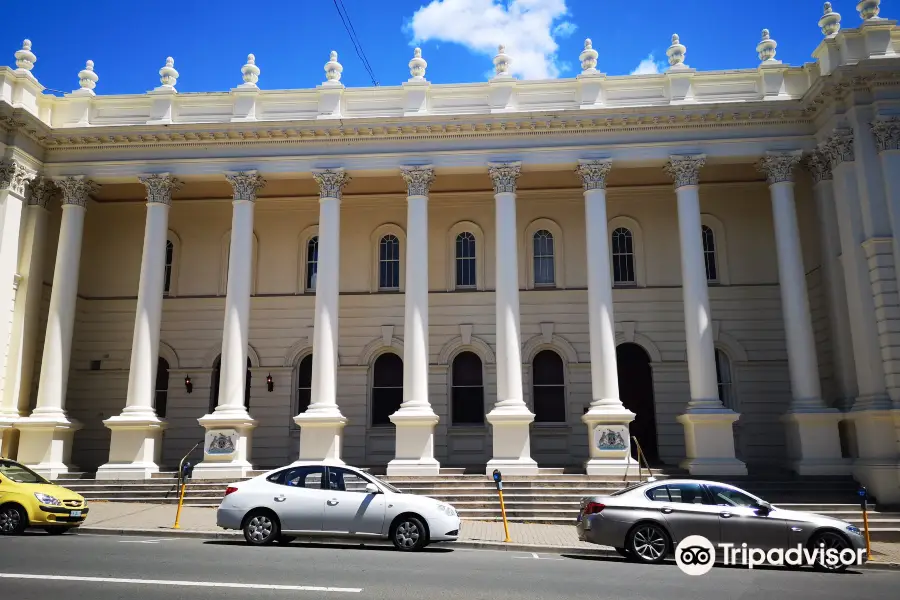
{"points": [[48, 500], [854, 530], [447, 510]]}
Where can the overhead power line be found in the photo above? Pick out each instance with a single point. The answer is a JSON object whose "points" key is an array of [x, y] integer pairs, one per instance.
{"points": [[354, 39]]}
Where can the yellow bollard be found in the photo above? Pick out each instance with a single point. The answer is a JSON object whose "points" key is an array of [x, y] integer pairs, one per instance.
{"points": [[503, 512], [866, 525], [180, 503]]}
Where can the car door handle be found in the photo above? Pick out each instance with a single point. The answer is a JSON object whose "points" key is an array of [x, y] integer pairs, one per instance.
{"points": [[725, 515], [332, 502], [280, 498], [667, 510]]}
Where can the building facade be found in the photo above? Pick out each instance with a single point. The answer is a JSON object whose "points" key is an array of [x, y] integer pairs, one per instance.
{"points": [[510, 274]]}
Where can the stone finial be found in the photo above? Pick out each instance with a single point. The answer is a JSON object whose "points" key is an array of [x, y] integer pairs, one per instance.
{"points": [[501, 63], [593, 173], [331, 182], [765, 49], [588, 58], [160, 187], [676, 53], [417, 66], [778, 167], [504, 176], [168, 75], [87, 79], [25, 58], [685, 169], [250, 72], [830, 22], [333, 69], [418, 179], [869, 9]]}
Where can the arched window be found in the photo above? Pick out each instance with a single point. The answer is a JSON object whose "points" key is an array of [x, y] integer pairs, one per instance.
{"points": [[170, 259], [724, 379], [214, 385], [549, 387], [623, 256], [387, 388], [304, 384], [465, 261], [312, 263], [162, 387], [709, 254], [389, 263], [467, 390], [544, 273]]}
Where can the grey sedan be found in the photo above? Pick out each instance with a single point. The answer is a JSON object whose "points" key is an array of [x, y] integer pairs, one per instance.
{"points": [[646, 521]]}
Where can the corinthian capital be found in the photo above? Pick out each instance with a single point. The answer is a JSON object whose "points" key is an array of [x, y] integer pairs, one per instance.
{"points": [[418, 180], [245, 184], [160, 187], [887, 134], [839, 147], [818, 165], [685, 169], [40, 191], [779, 166], [76, 189], [14, 176], [331, 182], [504, 176], [593, 173]]}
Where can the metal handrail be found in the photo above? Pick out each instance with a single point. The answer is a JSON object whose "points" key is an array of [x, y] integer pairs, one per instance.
{"points": [[181, 467], [642, 462]]}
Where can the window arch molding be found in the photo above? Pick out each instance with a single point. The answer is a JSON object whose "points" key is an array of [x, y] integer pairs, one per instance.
{"points": [[721, 249], [214, 351], [475, 345], [374, 244], [480, 253], [303, 257], [559, 278], [557, 343], [223, 275], [173, 238], [167, 352], [637, 239], [376, 347]]}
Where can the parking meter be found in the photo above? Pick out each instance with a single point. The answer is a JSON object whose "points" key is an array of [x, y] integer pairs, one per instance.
{"points": [[863, 497], [498, 479], [187, 471], [863, 500]]}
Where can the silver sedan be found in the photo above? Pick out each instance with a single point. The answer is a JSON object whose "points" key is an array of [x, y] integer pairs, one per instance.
{"points": [[646, 521]]}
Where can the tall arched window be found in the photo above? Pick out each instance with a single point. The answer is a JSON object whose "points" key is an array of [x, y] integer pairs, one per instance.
{"points": [[709, 254], [724, 379], [623, 256], [312, 263], [548, 387], [544, 273], [170, 259], [467, 390], [214, 384], [162, 387], [465, 261], [387, 388], [304, 384], [389, 263]]}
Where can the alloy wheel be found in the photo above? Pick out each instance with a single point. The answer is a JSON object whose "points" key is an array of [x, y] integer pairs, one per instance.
{"points": [[649, 543], [260, 528], [10, 520], [831, 541], [407, 534]]}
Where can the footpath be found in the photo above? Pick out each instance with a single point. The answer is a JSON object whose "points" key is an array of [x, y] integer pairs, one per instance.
{"points": [[156, 520]]}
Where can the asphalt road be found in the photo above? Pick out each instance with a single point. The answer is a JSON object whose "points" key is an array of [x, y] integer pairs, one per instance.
{"points": [[109, 567]]}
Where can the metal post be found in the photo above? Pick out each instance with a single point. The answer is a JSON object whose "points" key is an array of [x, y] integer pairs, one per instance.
{"points": [[180, 503], [864, 496], [498, 479]]}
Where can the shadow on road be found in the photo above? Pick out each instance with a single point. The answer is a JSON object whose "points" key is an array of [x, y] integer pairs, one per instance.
{"points": [[334, 546], [671, 563]]}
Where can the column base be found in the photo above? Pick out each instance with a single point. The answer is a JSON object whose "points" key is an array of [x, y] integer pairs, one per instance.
{"points": [[709, 442], [45, 443], [813, 442], [226, 446], [414, 453], [609, 441], [512, 442], [8, 435], [134, 448], [321, 435]]}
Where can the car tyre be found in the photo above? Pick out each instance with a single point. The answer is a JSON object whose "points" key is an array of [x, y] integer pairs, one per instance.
{"points": [[648, 543], [56, 530], [624, 553], [13, 519], [830, 539], [408, 534], [285, 539], [261, 528]]}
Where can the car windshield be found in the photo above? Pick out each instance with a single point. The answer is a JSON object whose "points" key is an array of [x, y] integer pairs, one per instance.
{"points": [[19, 474], [384, 484], [633, 486]]}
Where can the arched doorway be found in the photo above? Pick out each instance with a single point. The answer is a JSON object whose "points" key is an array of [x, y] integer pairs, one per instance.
{"points": [[636, 392]]}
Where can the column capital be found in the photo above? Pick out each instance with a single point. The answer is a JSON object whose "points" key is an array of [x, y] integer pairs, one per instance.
{"points": [[331, 182], [76, 189], [14, 176], [887, 133], [418, 179], [40, 190], [684, 169], [818, 165], [160, 187], [593, 173], [839, 147], [779, 166], [245, 184], [504, 176]]}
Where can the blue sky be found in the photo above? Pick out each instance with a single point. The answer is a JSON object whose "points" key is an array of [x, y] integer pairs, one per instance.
{"points": [[128, 40]]}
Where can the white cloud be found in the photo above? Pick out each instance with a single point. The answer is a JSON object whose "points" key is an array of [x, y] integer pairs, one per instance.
{"points": [[649, 66], [528, 29]]}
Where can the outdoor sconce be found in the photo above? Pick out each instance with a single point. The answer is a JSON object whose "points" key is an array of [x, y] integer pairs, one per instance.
{"points": [[269, 383], [188, 385]]}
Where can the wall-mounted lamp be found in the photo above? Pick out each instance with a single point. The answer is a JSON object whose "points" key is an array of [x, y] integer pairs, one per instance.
{"points": [[188, 385], [270, 383]]}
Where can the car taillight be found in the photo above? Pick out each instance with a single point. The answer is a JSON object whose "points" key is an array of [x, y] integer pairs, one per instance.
{"points": [[230, 490], [593, 508]]}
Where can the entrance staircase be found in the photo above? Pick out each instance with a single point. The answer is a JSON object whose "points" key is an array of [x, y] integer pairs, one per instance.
{"points": [[551, 497]]}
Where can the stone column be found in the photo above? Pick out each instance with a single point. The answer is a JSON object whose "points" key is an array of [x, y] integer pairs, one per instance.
{"points": [[23, 339], [607, 420], [813, 441], [45, 442], [510, 418], [415, 420], [229, 427], [708, 425], [136, 434], [322, 425]]}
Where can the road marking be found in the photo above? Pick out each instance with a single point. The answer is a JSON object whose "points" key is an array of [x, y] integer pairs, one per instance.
{"points": [[203, 584], [139, 541], [534, 556]]}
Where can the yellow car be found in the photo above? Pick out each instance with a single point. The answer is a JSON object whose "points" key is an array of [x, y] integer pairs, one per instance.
{"points": [[29, 500]]}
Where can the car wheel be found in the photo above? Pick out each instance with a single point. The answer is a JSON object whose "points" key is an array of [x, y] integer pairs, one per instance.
{"points": [[261, 528], [409, 535], [624, 553], [56, 530], [831, 541], [285, 539], [648, 543], [13, 520]]}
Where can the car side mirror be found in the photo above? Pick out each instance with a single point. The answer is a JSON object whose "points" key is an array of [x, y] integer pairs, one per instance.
{"points": [[764, 508], [371, 488]]}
